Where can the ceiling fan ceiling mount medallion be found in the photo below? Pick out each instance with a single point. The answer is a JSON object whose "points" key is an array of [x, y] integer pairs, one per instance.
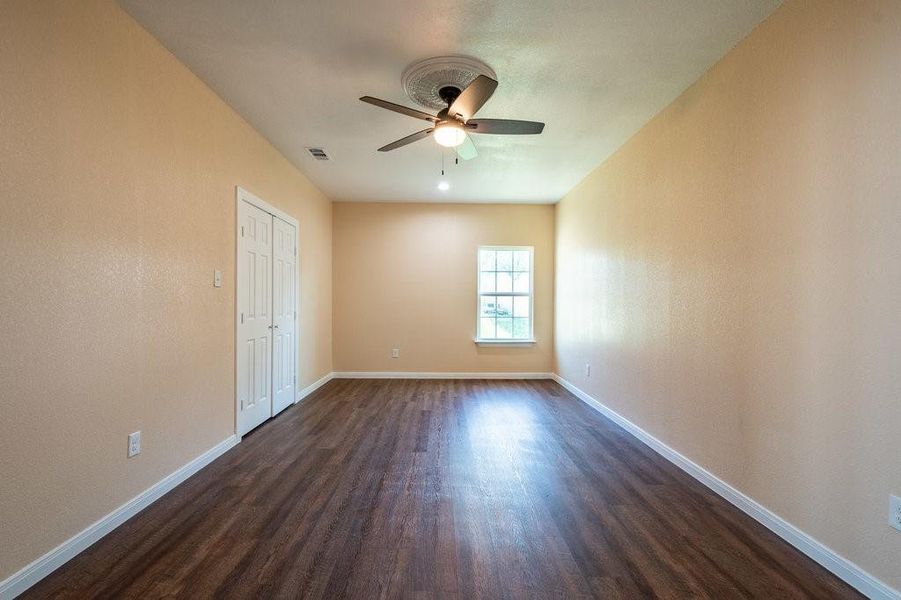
{"points": [[424, 79]]}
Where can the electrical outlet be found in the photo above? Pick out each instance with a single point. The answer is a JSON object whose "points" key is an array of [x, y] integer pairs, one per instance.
{"points": [[587, 370], [894, 512], [134, 444], [395, 353]]}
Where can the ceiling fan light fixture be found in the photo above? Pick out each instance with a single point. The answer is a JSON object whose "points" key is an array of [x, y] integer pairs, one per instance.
{"points": [[452, 125], [449, 135]]}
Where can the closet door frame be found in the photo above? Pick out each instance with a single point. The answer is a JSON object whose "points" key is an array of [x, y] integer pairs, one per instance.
{"points": [[242, 195]]}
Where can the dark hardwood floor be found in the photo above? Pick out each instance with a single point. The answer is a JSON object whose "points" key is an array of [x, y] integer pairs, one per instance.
{"points": [[441, 489]]}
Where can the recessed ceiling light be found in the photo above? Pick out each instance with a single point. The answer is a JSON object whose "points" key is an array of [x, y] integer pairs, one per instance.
{"points": [[443, 186]]}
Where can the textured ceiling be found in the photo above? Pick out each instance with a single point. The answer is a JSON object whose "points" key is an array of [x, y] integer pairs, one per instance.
{"points": [[594, 71]]}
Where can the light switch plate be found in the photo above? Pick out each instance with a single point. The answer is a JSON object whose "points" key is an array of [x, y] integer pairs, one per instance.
{"points": [[217, 278], [134, 444]]}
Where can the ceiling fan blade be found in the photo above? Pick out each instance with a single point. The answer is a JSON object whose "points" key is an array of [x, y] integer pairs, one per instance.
{"points": [[414, 137], [504, 126], [467, 150], [410, 112], [472, 98]]}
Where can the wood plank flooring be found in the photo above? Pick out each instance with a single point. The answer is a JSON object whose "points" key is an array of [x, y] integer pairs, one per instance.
{"points": [[441, 489]]}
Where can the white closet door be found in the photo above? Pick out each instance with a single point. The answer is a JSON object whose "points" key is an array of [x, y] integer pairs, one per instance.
{"points": [[254, 341], [284, 305]]}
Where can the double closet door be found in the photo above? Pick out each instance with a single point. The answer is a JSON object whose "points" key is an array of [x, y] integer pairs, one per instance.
{"points": [[266, 320]]}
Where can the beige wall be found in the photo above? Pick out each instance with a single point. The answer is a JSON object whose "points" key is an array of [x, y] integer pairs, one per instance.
{"points": [[117, 199], [405, 277], [733, 274]]}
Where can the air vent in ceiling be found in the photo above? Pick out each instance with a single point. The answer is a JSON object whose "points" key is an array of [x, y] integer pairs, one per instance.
{"points": [[318, 153]]}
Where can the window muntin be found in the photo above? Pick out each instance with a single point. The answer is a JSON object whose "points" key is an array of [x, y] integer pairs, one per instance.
{"points": [[505, 293]]}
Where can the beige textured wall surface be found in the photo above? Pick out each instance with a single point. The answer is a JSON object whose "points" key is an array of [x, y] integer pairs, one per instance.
{"points": [[733, 274], [405, 277], [118, 170]]}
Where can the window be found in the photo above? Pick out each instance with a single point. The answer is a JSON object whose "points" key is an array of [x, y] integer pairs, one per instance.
{"points": [[505, 294]]}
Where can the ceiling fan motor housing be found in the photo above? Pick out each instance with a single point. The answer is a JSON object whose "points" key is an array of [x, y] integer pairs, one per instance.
{"points": [[449, 93], [435, 83]]}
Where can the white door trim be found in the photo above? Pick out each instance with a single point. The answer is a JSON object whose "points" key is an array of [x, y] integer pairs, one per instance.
{"points": [[242, 195]]}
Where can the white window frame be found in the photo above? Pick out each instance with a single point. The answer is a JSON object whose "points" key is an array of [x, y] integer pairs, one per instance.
{"points": [[530, 295]]}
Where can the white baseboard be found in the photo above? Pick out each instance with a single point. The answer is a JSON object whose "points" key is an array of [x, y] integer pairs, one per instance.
{"points": [[846, 570], [436, 375], [843, 568], [313, 387], [18, 582]]}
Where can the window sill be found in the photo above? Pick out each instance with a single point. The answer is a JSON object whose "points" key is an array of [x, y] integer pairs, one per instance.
{"points": [[504, 342]]}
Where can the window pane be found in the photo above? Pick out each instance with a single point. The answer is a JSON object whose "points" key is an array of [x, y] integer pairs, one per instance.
{"points": [[521, 282], [521, 260], [504, 260], [486, 260], [505, 316], [521, 306], [486, 282], [521, 329], [486, 328], [504, 328], [504, 282], [504, 306], [488, 307]]}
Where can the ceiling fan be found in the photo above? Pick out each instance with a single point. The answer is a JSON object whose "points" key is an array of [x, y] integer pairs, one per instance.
{"points": [[452, 124]]}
